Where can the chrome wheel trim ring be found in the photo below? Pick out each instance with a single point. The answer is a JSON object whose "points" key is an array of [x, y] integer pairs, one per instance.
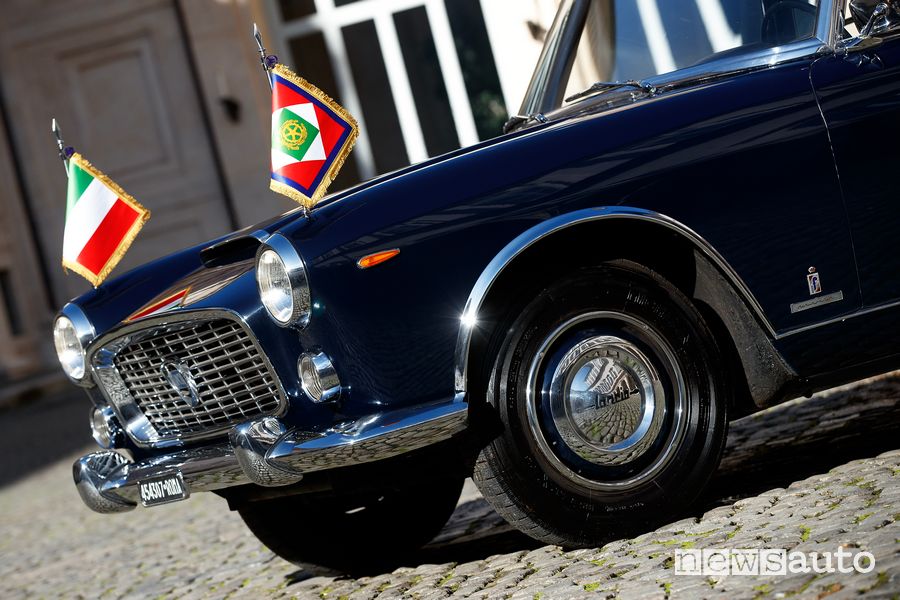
{"points": [[605, 449]]}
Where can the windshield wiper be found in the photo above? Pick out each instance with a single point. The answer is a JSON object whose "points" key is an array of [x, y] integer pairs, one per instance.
{"points": [[603, 86], [516, 120]]}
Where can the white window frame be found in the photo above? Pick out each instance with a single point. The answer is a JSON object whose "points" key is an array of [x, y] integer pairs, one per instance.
{"points": [[330, 19]]}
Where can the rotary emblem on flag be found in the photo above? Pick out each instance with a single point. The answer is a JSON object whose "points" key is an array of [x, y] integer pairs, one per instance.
{"points": [[312, 136]]}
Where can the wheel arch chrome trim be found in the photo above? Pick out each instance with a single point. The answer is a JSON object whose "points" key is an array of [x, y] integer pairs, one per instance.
{"points": [[545, 229]]}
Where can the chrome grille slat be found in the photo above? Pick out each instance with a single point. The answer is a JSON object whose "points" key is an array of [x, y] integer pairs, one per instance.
{"points": [[233, 379]]}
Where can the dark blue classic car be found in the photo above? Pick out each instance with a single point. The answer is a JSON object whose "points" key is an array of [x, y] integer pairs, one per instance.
{"points": [[662, 241]]}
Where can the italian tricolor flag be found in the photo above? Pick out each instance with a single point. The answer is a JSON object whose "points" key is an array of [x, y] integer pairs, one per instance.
{"points": [[101, 222]]}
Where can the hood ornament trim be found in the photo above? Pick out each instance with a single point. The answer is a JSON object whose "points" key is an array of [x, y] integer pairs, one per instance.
{"points": [[179, 377]]}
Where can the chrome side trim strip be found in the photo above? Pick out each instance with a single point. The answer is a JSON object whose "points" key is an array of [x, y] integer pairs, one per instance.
{"points": [[511, 251], [839, 319]]}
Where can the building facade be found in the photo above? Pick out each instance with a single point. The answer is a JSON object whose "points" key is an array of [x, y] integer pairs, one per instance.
{"points": [[168, 98]]}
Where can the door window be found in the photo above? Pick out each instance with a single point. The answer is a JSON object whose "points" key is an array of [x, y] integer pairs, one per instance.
{"points": [[638, 39]]}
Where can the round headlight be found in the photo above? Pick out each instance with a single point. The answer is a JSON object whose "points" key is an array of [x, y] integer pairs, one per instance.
{"points": [[68, 347], [282, 284], [274, 286]]}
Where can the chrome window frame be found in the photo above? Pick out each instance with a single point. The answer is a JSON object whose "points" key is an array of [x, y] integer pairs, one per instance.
{"points": [[101, 358], [562, 36]]}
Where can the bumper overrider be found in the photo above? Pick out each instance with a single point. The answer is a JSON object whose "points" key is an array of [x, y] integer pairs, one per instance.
{"points": [[265, 452]]}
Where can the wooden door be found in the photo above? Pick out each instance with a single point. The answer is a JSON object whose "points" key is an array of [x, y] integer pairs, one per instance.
{"points": [[117, 77], [24, 307]]}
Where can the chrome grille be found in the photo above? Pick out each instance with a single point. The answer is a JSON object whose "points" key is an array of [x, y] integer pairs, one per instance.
{"points": [[234, 382]]}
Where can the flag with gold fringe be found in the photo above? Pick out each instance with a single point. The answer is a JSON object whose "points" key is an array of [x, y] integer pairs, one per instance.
{"points": [[312, 135], [101, 221]]}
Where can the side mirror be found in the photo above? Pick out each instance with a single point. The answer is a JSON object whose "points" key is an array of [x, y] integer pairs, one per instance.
{"points": [[878, 21], [858, 44]]}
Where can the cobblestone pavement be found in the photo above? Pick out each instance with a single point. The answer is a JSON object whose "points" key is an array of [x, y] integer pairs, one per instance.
{"points": [[810, 475]]}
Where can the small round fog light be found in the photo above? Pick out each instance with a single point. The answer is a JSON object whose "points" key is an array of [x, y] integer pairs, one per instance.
{"points": [[104, 428], [318, 377]]}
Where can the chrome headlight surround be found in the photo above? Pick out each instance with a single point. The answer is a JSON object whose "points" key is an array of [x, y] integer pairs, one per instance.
{"points": [[282, 282], [72, 331]]}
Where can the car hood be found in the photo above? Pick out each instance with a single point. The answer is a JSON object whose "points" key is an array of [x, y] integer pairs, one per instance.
{"points": [[360, 218], [202, 271]]}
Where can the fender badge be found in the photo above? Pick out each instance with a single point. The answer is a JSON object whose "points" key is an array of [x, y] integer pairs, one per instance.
{"points": [[814, 282], [818, 301]]}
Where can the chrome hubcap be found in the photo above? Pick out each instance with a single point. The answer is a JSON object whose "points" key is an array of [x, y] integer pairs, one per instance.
{"points": [[603, 399], [600, 403]]}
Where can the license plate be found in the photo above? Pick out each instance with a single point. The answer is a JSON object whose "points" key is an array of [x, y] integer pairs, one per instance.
{"points": [[163, 489]]}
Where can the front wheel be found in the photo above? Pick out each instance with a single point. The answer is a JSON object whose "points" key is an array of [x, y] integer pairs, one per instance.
{"points": [[356, 533], [612, 403]]}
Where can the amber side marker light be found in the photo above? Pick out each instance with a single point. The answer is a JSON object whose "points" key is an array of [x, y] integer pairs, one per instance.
{"points": [[370, 260]]}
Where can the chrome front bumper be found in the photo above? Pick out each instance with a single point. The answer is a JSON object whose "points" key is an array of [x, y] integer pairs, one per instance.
{"points": [[266, 453]]}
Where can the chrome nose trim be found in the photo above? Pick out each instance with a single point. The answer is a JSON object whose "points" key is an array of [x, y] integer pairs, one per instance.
{"points": [[92, 473], [265, 452], [108, 481], [251, 442], [372, 438], [284, 460]]}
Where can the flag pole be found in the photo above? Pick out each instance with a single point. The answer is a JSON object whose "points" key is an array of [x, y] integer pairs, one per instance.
{"points": [[266, 60], [64, 151]]}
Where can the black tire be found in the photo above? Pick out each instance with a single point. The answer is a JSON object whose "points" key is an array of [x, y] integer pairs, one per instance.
{"points": [[535, 473], [358, 534]]}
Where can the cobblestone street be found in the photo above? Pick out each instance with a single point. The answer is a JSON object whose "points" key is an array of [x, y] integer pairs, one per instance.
{"points": [[810, 475]]}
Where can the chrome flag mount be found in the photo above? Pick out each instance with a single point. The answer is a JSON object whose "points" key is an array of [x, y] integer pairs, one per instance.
{"points": [[312, 135], [101, 218]]}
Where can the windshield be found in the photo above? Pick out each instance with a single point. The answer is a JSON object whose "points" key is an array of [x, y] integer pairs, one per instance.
{"points": [[637, 39]]}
